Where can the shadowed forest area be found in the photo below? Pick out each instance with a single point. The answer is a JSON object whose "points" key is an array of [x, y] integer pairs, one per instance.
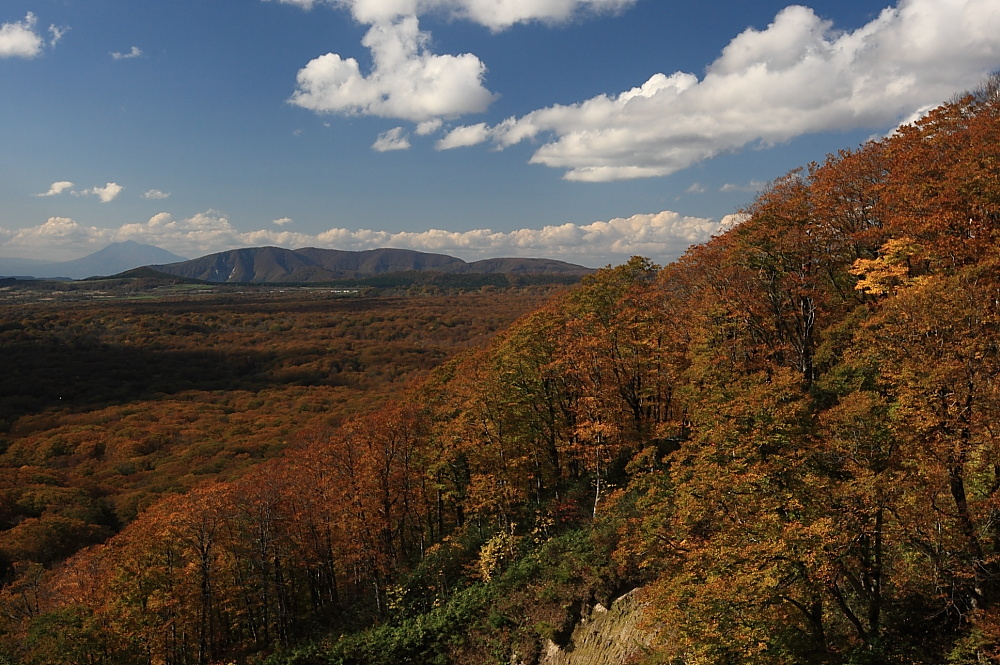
{"points": [[107, 405], [784, 445]]}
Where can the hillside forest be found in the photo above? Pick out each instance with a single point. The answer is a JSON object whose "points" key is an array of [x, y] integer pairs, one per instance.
{"points": [[786, 443]]}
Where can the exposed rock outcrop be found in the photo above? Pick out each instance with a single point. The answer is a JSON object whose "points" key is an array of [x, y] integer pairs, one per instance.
{"points": [[605, 636]]}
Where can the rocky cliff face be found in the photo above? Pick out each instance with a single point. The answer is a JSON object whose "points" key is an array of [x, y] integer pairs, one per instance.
{"points": [[605, 636]]}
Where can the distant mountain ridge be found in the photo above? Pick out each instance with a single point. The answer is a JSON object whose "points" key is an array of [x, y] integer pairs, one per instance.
{"points": [[311, 264], [115, 258]]}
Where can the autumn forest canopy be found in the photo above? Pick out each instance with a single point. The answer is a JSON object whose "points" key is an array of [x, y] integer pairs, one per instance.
{"points": [[786, 442]]}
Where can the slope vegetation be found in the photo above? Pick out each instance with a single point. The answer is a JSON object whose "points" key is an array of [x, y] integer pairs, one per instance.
{"points": [[787, 439]]}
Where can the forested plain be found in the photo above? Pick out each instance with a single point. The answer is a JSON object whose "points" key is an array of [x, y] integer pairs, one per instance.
{"points": [[786, 442]]}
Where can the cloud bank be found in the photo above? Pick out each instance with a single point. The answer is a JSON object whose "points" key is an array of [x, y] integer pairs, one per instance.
{"points": [[661, 236], [797, 76]]}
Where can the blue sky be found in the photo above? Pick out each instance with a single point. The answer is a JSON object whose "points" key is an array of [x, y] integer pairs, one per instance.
{"points": [[585, 130]]}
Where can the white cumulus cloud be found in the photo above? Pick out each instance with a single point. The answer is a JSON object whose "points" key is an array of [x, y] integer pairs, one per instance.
{"points": [[106, 194], [155, 195], [799, 75], [304, 4], [19, 39], [283, 221], [58, 228], [467, 135], [428, 127], [57, 32], [57, 188], [753, 186], [407, 81], [128, 55], [393, 139]]}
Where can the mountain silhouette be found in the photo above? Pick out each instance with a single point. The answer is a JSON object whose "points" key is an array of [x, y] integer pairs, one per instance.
{"points": [[276, 264], [115, 258]]}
